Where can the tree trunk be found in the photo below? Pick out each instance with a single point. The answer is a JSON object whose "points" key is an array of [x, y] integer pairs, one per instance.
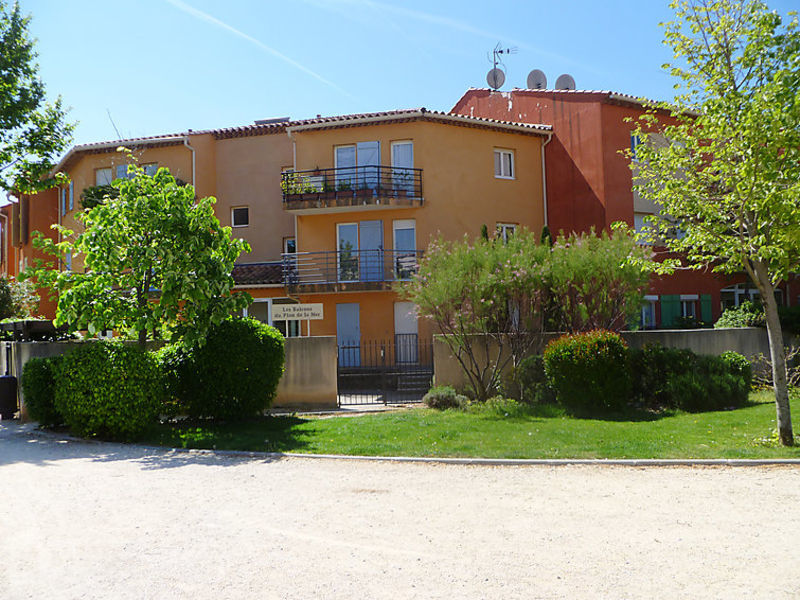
{"points": [[777, 354], [143, 339]]}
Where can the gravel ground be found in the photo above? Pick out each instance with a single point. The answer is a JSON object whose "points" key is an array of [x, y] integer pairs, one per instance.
{"points": [[85, 520]]}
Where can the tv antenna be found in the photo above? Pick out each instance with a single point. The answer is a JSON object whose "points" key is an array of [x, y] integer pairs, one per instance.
{"points": [[497, 75]]}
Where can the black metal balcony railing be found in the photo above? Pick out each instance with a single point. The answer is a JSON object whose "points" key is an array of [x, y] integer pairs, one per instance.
{"points": [[352, 184], [349, 266]]}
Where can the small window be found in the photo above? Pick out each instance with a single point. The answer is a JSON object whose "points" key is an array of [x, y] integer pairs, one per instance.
{"points": [[240, 216], [505, 231], [289, 245], [122, 172], [68, 261], [102, 176], [150, 169], [504, 164], [635, 143], [689, 305]]}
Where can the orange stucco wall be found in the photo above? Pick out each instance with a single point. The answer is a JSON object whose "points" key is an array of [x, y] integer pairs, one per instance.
{"points": [[249, 174]]}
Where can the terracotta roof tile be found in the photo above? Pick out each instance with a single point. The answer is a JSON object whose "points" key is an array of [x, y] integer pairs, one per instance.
{"points": [[258, 273]]}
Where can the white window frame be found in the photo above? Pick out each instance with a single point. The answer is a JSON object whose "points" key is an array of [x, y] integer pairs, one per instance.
{"points": [[97, 176], [503, 230], [649, 305], [689, 300], [501, 152], [233, 211]]}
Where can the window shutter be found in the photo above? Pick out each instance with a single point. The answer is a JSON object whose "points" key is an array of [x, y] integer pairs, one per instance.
{"points": [[670, 309], [63, 194], [122, 171], [705, 307], [71, 195]]}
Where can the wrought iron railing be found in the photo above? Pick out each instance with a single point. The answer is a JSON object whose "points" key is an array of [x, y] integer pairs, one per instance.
{"points": [[351, 183], [349, 266]]}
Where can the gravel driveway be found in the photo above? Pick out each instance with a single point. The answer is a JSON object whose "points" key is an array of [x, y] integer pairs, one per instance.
{"points": [[85, 520]]}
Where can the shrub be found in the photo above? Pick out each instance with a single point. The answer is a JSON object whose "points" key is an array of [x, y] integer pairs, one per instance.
{"points": [[738, 366], [38, 386], [443, 397], [532, 381], [234, 374], [747, 314], [712, 383], [172, 361], [678, 378], [589, 370], [108, 389], [652, 368]]}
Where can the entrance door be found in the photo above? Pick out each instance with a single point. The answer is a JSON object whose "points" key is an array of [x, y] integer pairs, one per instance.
{"points": [[371, 250], [405, 332], [368, 157], [348, 334]]}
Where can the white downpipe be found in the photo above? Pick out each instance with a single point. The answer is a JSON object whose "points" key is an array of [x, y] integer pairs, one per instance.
{"points": [[544, 181], [192, 150]]}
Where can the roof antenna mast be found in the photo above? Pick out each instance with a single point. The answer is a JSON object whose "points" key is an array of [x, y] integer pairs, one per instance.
{"points": [[496, 77]]}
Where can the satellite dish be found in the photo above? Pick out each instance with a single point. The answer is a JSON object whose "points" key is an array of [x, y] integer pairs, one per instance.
{"points": [[495, 78], [537, 80], [565, 82]]}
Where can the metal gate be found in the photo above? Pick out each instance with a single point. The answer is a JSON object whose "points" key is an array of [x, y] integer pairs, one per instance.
{"points": [[394, 371]]}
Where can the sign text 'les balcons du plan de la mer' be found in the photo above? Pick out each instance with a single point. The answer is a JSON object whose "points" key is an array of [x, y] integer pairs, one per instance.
{"points": [[297, 312]]}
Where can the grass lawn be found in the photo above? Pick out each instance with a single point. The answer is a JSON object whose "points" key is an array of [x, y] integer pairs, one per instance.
{"points": [[545, 432]]}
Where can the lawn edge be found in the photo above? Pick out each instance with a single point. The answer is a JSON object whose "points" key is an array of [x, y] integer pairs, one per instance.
{"points": [[473, 461]]}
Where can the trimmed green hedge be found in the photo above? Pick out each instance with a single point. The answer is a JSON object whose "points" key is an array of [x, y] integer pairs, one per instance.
{"points": [[38, 386], [589, 370], [108, 389], [233, 375]]}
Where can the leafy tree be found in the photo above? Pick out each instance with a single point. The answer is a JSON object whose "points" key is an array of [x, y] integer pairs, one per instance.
{"points": [[492, 300], [593, 283], [726, 175], [156, 262], [486, 300], [32, 131]]}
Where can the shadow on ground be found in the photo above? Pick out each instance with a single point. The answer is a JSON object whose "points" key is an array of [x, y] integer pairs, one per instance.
{"points": [[26, 443]]}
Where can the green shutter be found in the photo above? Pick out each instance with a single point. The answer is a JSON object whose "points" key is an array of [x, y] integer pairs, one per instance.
{"points": [[705, 307], [670, 309]]}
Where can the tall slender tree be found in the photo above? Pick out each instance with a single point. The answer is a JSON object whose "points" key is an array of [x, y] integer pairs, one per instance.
{"points": [[726, 175]]}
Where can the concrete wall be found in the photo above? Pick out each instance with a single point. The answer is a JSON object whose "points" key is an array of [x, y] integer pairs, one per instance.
{"points": [[748, 341], [310, 377], [308, 381]]}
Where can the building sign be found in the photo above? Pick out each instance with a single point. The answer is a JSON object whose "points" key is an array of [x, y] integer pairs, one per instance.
{"points": [[297, 312]]}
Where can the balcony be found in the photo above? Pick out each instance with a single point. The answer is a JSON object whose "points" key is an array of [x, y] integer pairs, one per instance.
{"points": [[348, 270], [351, 188]]}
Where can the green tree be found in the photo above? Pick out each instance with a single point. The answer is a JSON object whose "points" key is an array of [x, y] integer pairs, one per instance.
{"points": [[156, 263], [32, 131], [593, 284], [726, 175], [486, 300]]}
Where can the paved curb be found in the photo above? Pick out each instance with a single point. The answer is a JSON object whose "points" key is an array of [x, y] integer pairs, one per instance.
{"points": [[484, 462]]}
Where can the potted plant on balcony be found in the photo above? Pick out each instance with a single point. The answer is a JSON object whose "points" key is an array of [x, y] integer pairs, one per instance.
{"points": [[290, 185]]}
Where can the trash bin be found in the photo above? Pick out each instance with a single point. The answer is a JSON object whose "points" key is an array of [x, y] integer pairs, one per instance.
{"points": [[8, 396]]}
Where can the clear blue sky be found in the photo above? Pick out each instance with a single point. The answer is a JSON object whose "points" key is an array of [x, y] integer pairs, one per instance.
{"points": [[164, 66]]}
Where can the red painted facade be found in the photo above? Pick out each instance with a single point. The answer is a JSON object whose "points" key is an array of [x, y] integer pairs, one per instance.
{"points": [[589, 183]]}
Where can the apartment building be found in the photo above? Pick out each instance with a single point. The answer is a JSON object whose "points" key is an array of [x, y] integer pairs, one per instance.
{"points": [[370, 191], [589, 184]]}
